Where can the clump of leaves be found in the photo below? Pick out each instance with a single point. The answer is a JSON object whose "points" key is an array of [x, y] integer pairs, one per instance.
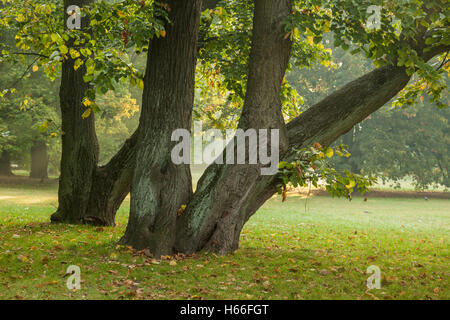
{"points": [[313, 167]]}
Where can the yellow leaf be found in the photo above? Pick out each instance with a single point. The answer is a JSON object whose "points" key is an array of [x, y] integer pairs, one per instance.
{"points": [[63, 49], [87, 102], [87, 113], [74, 53], [351, 184], [326, 27], [78, 63], [20, 18], [329, 152], [44, 126], [296, 34]]}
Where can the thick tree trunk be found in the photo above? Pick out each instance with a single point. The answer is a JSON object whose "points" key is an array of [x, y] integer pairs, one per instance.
{"points": [[79, 141], [227, 196], [88, 194], [213, 220], [39, 160], [5, 164], [112, 182], [160, 187], [334, 116]]}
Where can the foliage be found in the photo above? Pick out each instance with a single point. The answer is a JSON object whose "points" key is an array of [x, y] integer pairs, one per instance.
{"points": [[115, 28], [117, 120], [398, 41], [313, 167], [28, 113]]}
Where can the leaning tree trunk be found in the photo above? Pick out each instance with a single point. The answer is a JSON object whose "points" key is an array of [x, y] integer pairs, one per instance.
{"points": [[111, 184], [5, 164], [335, 115], [226, 196], [160, 187], [213, 220], [39, 160]]}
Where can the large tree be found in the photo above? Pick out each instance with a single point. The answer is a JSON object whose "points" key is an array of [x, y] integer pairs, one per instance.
{"points": [[165, 217], [250, 48]]}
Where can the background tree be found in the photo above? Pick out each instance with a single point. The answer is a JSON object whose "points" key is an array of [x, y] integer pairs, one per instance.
{"points": [[29, 118]]}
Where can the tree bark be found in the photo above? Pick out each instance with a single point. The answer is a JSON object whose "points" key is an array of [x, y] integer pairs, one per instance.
{"points": [[111, 184], [79, 141], [213, 220], [5, 164], [87, 194], [39, 160], [160, 187]]}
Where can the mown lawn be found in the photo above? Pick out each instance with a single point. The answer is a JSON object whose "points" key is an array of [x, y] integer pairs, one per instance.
{"points": [[288, 251]]}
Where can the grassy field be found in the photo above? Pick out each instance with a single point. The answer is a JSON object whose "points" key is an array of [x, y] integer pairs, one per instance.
{"points": [[318, 248]]}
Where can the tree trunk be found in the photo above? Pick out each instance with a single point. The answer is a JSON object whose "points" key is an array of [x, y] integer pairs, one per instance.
{"points": [[332, 117], [39, 160], [111, 184], [79, 141], [87, 194], [160, 187], [5, 164], [213, 220]]}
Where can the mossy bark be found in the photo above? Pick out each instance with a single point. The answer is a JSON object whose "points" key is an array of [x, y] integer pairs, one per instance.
{"points": [[160, 187]]}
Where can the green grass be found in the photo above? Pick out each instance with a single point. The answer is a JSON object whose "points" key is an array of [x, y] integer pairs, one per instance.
{"points": [[286, 252]]}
